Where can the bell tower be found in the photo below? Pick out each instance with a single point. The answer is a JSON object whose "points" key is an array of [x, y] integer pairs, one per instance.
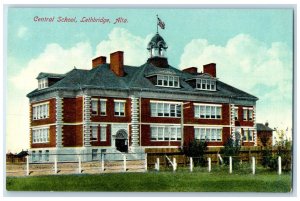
{"points": [[157, 48]]}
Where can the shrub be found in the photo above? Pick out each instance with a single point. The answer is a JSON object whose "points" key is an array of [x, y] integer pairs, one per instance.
{"points": [[196, 149], [231, 148]]}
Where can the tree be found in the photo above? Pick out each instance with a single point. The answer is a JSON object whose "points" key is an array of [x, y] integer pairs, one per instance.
{"points": [[196, 149], [231, 148]]}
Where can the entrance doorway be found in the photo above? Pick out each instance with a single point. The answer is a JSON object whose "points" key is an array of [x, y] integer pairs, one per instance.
{"points": [[121, 141]]}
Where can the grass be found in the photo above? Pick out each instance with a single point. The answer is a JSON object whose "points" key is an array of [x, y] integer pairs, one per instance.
{"points": [[165, 181]]}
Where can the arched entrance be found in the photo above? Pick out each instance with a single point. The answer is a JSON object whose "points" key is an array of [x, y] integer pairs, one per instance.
{"points": [[121, 141]]}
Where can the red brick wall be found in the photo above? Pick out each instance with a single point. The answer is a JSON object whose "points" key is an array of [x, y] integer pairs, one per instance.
{"points": [[72, 136], [266, 134], [52, 113], [52, 139], [240, 121], [190, 136], [107, 142], [110, 112], [189, 115], [146, 139], [146, 115], [72, 109]]}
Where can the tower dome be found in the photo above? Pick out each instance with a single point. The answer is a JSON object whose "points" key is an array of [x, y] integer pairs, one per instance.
{"points": [[157, 46]]}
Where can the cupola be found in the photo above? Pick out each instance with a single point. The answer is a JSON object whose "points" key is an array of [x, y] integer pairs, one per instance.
{"points": [[157, 48]]}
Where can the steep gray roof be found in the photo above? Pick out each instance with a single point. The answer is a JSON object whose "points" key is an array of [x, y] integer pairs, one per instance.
{"points": [[263, 127], [136, 78], [49, 75]]}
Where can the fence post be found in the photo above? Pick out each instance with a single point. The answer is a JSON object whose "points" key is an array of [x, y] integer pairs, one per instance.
{"points": [[253, 165], [124, 159], [27, 165], [279, 165], [174, 164], [157, 162], [79, 164], [102, 163], [209, 164], [191, 164], [146, 162], [55, 164], [230, 164]]}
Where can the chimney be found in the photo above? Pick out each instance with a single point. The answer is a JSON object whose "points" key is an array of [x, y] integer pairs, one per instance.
{"points": [[191, 70], [267, 124], [210, 69], [116, 63], [98, 61]]}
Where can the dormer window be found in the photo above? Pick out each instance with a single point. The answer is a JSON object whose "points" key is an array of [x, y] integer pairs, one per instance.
{"points": [[43, 83], [206, 84], [167, 81]]}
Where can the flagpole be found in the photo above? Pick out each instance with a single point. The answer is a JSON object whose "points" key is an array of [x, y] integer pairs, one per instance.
{"points": [[156, 23]]}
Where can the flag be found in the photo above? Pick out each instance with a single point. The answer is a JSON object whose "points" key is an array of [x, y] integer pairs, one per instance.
{"points": [[160, 23]]}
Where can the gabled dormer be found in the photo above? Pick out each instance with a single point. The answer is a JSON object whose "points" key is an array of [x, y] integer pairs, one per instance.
{"points": [[205, 81], [45, 80]]}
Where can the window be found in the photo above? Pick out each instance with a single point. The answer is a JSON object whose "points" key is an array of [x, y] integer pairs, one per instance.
{"points": [[40, 157], [250, 114], [119, 108], [248, 135], [165, 133], [42, 83], [102, 107], [208, 134], [160, 109], [245, 114], [103, 133], [167, 81], [236, 113], [47, 155], [208, 111], [33, 156], [94, 106], [94, 134], [206, 84], [40, 135], [94, 154], [40, 111]]}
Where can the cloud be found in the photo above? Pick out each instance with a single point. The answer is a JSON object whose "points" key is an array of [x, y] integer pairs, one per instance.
{"points": [[134, 47], [54, 59], [247, 63], [57, 59], [22, 32]]}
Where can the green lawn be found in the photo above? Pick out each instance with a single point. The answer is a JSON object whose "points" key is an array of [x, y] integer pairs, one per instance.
{"points": [[167, 181]]}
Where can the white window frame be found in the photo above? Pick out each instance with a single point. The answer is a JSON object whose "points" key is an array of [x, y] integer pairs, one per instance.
{"points": [[207, 111], [94, 133], [103, 112], [103, 133], [245, 114], [165, 133], [250, 114], [43, 83], [40, 135], [121, 105], [207, 133], [94, 103], [236, 113], [167, 81], [40, 111], [206, 84], [246, 134], [165, 109]]}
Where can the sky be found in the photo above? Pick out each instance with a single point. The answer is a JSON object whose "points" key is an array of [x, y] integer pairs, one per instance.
{"points": [[253, 50]]}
